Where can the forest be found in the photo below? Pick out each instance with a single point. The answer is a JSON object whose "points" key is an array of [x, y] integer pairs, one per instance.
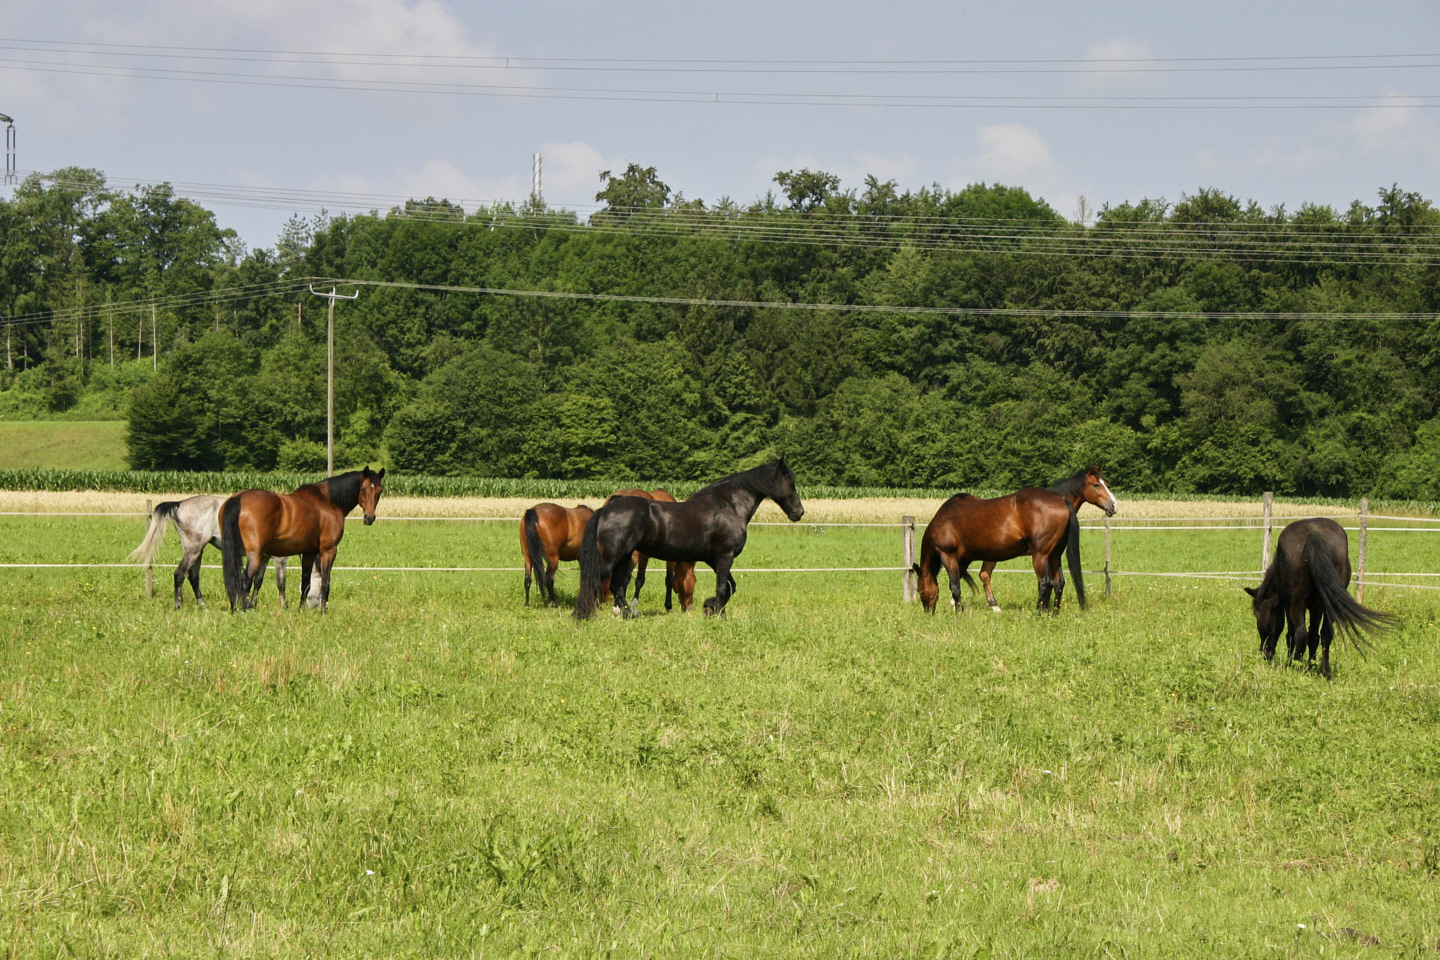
{"points": [[875, 336]]}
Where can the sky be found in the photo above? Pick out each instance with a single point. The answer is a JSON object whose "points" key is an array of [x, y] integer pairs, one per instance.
{"points": [[264, 109]]}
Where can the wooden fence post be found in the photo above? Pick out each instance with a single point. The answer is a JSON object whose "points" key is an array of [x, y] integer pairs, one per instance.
{"points": [[1265, 543], [1107, 558], [911, 581], [1364, 529], [149, 567]]}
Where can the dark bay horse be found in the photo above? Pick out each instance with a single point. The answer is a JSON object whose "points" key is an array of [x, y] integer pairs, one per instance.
{"points": [[255, 524], [550, 533], [1310, 573], [679, 574], [1040, 522], [197, 521], [710, 527]]}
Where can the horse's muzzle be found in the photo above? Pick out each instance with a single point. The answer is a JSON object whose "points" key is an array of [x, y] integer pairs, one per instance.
{"points": [[369, 519], [799, 512]]}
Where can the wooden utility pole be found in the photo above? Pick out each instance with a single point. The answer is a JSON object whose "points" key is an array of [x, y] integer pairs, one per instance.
{"points": [[332, 296], [1107, 557], [154, 341]]}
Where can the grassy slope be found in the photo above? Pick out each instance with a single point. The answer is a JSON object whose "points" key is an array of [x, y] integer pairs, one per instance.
{"points": [[62, 445], [432, 769]]}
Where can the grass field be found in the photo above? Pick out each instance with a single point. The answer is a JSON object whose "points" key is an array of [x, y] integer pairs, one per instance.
{"points": [[62, 445], [433, 770]]}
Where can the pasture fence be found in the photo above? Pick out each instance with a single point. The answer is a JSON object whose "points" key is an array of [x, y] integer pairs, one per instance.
{"points": [[1362, 523]]}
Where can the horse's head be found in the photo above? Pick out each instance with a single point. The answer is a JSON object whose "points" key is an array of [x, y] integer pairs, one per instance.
{"points": [[783, 492], [1269, 618], [1097, 492], [371, 487]]}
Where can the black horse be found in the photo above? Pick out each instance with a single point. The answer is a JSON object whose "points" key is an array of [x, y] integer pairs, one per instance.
{"points": [[1310, 572], [709, 527]]}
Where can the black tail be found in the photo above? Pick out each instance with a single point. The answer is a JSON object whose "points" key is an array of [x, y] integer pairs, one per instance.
{"points": [[591, 576], [538, 563], [1072, 556], [232, 552], [1341, 609]]}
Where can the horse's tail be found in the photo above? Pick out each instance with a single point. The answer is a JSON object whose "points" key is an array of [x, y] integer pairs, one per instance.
{"points": [[155, 533], [232, 551], [591, 576], [536, 549], [1072, 555], [1341, 609]]}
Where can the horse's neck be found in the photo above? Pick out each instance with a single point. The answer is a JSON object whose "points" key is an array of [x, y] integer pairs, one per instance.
{"points": [[746, 502]]}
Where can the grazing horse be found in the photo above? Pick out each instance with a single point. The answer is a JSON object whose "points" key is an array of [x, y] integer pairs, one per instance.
{"points": [[710, 527], [1040, 522], [550, 533], [255, 524], [1310, 573], [679, 575], [197, 521]]}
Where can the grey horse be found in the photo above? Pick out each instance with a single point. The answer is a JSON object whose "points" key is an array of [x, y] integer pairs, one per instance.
{"points": [[197, 521]]}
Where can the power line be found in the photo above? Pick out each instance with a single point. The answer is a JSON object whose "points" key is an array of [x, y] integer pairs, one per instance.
{"points": [[754, 98]]}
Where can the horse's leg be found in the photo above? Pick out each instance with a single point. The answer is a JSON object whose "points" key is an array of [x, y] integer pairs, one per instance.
{"points": [[1042, 579], [259, 579], [551, 567], [529, 565], [307, 590], [1296, 636], [685, 587], [1057, 574], [953, 570], [195, 581], [254, 567], [327, 560], [640, 574], [715, 606], [187, 561], [280, 581], [986, 569], [669, 582], [620, 581]]}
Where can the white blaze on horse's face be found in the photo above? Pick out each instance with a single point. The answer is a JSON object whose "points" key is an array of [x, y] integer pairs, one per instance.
{"points": [[1114, 504]]}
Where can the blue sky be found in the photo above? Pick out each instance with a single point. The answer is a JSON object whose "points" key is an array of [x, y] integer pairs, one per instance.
{"points": [[1112, 101]]}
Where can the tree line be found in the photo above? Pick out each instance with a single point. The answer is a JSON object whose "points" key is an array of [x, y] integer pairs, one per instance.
{"points": [[968, 338]]}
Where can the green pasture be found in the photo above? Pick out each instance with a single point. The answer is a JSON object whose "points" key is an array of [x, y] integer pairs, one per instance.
{"points": [[62, 445], [432, 769]]}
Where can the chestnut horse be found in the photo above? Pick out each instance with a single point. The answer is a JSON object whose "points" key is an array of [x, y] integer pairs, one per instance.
{"points": [[679, 574], [550, 533], [709, 527], [255, 524], [1040, 522]]}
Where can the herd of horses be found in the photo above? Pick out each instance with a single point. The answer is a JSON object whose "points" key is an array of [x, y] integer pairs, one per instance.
{"points": [[1309, 576]]}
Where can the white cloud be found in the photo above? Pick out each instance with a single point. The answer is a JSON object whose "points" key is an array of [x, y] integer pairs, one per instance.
{"points": [[1014, 154], [1273, 156], [1109, 63]]}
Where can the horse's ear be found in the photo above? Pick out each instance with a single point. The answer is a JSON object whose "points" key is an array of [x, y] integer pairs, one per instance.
{"points": [[1252, 591], [915, 567], [381, 474]]}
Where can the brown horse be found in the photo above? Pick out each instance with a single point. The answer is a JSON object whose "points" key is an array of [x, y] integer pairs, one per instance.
{"points": [[255, 524], [550, 533], [679, 574], [1040, 522]]}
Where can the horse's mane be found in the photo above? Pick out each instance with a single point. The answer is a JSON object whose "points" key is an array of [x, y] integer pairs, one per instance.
{"points": [[759, 479], [1072, 485], [342, 490]]}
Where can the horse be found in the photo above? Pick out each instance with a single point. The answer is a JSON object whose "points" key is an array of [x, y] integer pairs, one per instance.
{"points": [[255, 524], [1310, 573], [679, 575], [197, 522], [1039, 521], [710, 527], [550, 533]]}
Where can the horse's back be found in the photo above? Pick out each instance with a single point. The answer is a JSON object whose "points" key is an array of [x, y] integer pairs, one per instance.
{"points": [[1327, 534], [998, 528]]}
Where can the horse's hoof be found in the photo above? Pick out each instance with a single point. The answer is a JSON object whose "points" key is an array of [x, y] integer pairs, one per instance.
{"points": [[994, 608], [635, 608], [709, 608]]}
